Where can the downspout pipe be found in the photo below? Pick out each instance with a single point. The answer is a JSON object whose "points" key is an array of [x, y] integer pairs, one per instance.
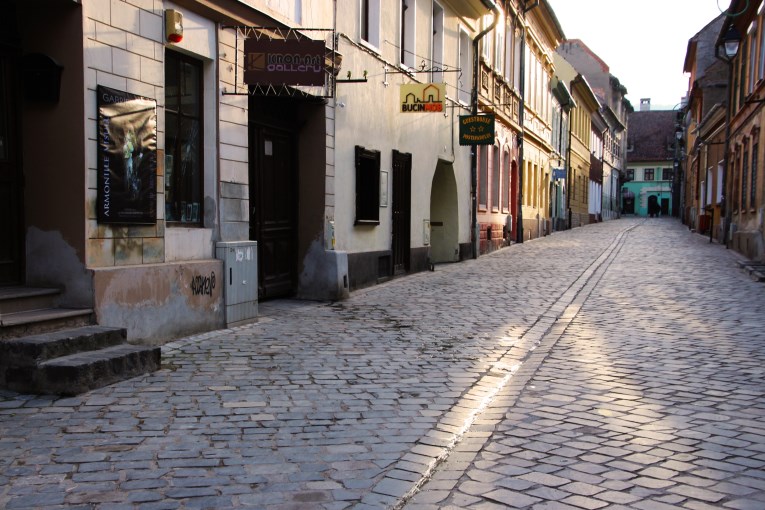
{"points": [[521, 115], [489, 4]]}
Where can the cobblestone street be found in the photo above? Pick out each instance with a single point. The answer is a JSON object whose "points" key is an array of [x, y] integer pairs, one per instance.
{"points": [[619, 366]]}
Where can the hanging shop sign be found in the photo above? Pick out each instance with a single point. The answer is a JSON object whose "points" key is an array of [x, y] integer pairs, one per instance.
{"points": [[127, 158], [477, 129], [422, 97], [283, 61], [559, 173]]}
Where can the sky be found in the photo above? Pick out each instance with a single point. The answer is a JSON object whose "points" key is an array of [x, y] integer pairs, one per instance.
{"points": [[643, 42]]}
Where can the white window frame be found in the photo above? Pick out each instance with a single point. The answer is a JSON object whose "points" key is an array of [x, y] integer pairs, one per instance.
{"points": [[437, 49], [509, 50], [373, 15], [499, 45], [408, 31], [465, 65]]}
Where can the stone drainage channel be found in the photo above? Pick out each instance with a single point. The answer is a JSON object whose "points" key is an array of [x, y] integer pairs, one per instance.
{"points": [[508, 375]]}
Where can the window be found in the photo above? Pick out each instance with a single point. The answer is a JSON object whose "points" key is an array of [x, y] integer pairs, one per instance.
{"points": [[499, 46], [648, 174], [509, 50], [464, 82], [407, 45], [719, 194], [183, 140], [486, 42], [370, 22], [496, 170], [708, 198], [761, 44], [506, 183], [744, 180], [751, 40], [735, 183], [753, 186], [483, 178], [704, 194], [437, 58], [667, 174], [367, 186], [518, 40]]}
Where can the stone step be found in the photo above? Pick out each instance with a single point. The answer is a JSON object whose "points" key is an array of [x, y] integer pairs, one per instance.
{"points": [[19, 299], [30, 350], [755, 270], [84, 371], [36, 321]]}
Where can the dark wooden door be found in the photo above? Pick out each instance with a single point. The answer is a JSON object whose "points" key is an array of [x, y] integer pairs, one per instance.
{"points": [[273, 199], [401, 203], [11, 191]]}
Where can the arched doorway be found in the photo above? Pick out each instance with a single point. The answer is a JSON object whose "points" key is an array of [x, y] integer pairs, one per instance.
{"points": [[653, 206], [444, 220], [513, 201]]}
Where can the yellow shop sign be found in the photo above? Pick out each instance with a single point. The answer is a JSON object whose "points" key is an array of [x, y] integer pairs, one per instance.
{"points": [[423, 97]]}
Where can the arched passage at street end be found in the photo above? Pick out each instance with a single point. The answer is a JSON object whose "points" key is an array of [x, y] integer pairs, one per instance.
{"points": [[444, 223]]}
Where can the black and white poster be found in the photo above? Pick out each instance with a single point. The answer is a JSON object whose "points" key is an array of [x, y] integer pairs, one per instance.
{"points": [[127, 158]]}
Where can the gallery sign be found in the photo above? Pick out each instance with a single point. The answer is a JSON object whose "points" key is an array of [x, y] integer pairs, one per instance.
{"points": [[422, 97], [477, 129], [283, 62], [127, 158]]}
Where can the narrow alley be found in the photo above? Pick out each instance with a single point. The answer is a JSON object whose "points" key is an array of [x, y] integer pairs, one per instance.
{"points": [[619, 366]]}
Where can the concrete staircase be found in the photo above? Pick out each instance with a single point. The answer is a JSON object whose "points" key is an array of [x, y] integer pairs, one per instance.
{"points": [[47, 349]]}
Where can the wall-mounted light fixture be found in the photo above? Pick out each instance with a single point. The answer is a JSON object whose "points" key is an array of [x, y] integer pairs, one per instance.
{"points": [[173, 26]]}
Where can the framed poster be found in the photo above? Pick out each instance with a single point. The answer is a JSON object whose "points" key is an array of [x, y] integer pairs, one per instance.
{"points": [[127, 158]]}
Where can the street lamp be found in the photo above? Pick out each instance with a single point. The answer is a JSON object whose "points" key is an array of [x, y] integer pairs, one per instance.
{"points": [[729, 44]]}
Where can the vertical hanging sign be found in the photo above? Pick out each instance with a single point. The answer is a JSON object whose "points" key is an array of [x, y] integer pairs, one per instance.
{"points": [[476, 129], [127, 158]]}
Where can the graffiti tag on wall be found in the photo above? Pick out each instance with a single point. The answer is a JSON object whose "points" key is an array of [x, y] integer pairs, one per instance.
{"points": [[203, 285]]}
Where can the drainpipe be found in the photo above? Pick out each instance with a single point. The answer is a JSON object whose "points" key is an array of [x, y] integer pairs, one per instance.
{"points": [[521, 115], [489, 4]]}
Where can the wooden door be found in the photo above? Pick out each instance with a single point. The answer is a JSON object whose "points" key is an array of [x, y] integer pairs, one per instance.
{"points": [[401, 203], [273, 199], [11, 190]]}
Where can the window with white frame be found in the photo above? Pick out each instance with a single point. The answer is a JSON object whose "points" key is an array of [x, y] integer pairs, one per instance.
{"points": [[506, 182], [509, 49], [495, 174], [370, 22], [517, 43], [464, 77], [499, 46], [751, 37], [483, 177], [437, 58], [407, 43], [708, 195], [486, 42]]}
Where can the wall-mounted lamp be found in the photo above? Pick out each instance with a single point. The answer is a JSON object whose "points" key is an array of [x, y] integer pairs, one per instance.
{"points": [[173, 26]]}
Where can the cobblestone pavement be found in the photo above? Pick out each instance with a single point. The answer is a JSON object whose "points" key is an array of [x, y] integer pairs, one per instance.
{"points": [[619, 365]]}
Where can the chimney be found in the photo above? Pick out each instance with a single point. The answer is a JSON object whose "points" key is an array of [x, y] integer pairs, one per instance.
{"points": [[645, 104]]}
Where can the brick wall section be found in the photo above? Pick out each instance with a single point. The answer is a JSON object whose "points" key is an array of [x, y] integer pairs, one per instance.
{"points": [[123, 49], [233, 155]]}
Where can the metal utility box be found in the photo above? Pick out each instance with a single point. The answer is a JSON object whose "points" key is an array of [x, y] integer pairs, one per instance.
{"points": [[240, 289]]}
